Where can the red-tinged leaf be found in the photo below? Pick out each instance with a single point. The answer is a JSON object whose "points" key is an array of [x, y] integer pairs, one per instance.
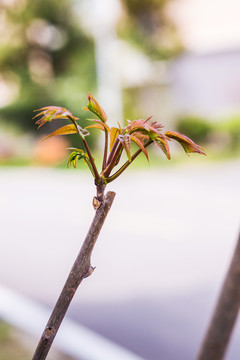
{"points": [[94, 107], [140, 144], [140, 136], [126, 143], [144, 127], [106, 127], [188, 145], [137, 125], [120, 128], [64, 130], [50, 113], [114, 132], [96, 126], [162, 142]]}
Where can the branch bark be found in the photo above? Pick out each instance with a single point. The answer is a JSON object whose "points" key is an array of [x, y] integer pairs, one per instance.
{"points": [[219, 332], [81, 269]]}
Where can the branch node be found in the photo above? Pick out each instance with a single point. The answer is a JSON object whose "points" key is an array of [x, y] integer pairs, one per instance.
{"points": [[49, 332], [90, 271], [96, 203]]}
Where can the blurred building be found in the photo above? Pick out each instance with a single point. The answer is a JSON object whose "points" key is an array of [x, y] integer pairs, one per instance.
{"points": [[207, 85]]}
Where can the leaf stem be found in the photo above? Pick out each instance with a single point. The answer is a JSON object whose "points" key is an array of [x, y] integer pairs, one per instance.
{"points": [[112, 152], [105, 150], [126, 164], [114, 157], [91, 159], [90, 167]]}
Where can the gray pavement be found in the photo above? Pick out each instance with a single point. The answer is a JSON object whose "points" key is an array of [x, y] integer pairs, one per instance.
{"points": [[164, 248]]}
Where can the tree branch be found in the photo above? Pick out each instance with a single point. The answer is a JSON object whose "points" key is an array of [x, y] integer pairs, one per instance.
{"points": [[219, 332], [81, 269]]}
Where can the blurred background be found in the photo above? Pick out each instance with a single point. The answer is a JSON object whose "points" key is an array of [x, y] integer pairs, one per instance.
{"points": [[169, 238]]}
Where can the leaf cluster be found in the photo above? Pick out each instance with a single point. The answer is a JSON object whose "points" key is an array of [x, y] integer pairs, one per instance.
{"points": [[118, 140]]}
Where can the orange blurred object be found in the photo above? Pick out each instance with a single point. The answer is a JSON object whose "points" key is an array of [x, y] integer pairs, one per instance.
{"points": [[50, 152]]}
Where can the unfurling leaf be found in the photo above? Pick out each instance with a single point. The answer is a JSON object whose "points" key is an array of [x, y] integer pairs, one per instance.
{"points": [[137, 125], [125, 140], [64, 130], [188, 145], [77, 154], [72, 159], [144, 127], [94, 107], [114, 132], [50, 113]]}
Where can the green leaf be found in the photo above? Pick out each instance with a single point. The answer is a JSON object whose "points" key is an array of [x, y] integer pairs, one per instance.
{"points": [[72, 159], [78, 154]]}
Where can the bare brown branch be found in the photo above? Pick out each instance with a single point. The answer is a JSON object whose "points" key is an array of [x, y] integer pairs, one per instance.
{"points": [[81, 269], [219, 332]]}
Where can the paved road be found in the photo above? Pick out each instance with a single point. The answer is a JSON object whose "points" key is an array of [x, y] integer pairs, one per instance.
{"points": [[160, 258]]}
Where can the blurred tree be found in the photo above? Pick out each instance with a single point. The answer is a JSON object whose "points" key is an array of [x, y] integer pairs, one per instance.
{"points": [[44, 58], [149, 26], [197, 128]]}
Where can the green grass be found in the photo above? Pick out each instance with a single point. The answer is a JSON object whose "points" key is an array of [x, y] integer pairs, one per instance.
{"points": [[17, 162], [10, 347], [156, 159]]}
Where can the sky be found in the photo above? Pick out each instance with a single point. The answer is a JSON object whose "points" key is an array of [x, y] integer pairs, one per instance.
{"points": [[207, 25]]}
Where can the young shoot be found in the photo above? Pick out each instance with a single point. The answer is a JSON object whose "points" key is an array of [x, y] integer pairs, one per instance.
{"points": [[117, 140]]}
